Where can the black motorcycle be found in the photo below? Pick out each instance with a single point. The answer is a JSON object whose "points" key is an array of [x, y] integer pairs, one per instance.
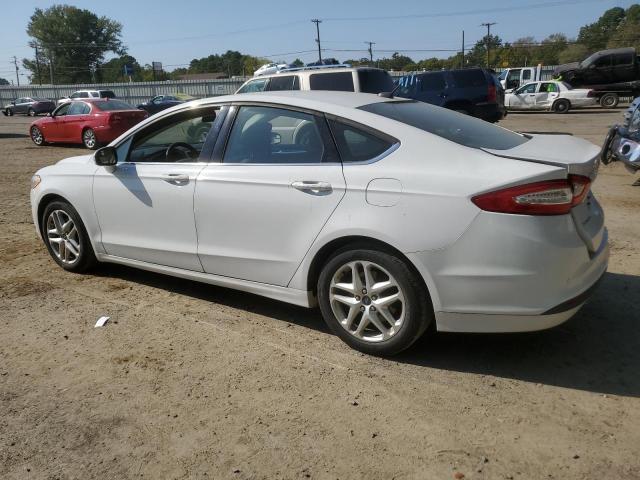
{"points": [[622, 143]]}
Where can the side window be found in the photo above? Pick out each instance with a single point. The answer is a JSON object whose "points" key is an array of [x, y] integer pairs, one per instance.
{"points": [[286, 82], [526, 75], [528, 88], [254, 86], [468, 78], [157, 100], [178, 138], [75, 108], [357, 144], [84, 95], [433, 82], [267, 135], [75, 95], [338, 81], [95, 94], [86, 109], [603, 62], [548, 88], [62, 110], [623, 59]]}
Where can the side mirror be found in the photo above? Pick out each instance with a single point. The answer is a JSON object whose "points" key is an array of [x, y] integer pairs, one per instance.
{"points": [[509, 90], [106, 157]]}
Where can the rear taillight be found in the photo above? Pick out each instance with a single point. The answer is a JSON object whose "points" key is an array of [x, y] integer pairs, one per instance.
{"points": [[552, 197], [492, 94]]}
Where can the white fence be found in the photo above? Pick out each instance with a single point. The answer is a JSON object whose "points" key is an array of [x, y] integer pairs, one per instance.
{"points": [[133, 93]]}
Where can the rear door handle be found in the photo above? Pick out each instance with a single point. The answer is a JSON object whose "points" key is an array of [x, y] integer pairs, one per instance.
{"points": [[312, 187], [176, 178]]}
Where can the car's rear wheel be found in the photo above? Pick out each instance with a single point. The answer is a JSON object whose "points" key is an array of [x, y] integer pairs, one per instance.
{"points": [[89, 139], [373, 301], [561, 106], [66, 237], [31, 112], [36, 136], [609, 100]]}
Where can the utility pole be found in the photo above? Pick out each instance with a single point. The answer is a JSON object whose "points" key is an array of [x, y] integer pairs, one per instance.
{"points": [[318, 22], [51, 67], [38, 64], [371, 44], [488, 25], [462, 65], [15, 62]]}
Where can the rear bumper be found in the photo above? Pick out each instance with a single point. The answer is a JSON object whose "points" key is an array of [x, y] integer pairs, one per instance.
{"points": [[491, 112], [511, 273], [108, 133]]}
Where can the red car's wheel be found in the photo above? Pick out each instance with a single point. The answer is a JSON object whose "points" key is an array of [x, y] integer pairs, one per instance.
{"points": [[89, 139], [37, 136]]}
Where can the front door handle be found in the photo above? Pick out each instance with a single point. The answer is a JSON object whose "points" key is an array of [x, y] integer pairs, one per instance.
{"points": [[175, 178], [312, 187]]}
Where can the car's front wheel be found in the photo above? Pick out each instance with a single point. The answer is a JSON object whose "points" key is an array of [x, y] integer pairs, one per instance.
{"points": [[66, 237], [373, 301], [31, 112], [37, 136], [9, 112]]}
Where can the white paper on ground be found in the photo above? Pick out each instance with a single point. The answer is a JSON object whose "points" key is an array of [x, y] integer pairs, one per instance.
{"points": [[101, 321]]}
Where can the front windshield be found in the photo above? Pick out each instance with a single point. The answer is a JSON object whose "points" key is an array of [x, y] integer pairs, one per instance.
{"points": [[453, 126]]}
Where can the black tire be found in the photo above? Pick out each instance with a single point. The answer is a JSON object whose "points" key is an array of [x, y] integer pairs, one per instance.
{"points": [[561, 106], [31, 112], [418, 311], [36, 136], [89, 139], [609, 100], [9, 112], [86, 258]]}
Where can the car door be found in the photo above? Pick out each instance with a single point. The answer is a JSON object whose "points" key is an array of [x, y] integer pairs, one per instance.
{"points": [[525, 97], [624, 69], [52, 129], [547, 93], [21, 105], [145, 204], [259, 208], [71, 124]]}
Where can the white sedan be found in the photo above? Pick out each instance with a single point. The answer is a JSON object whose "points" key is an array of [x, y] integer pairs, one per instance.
{"points": [[557, 97], [392, 214]]}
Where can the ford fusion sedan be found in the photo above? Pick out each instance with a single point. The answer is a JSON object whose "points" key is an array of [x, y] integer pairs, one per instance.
{"points": [[393, 215], [558, 97], [89, 122]]}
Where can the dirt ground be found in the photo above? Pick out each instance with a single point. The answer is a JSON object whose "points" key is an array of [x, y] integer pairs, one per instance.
{"points": [[189, 381]]}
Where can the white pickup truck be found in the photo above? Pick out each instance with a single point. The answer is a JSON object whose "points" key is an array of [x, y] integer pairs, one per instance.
{"points": [[511, 78]]}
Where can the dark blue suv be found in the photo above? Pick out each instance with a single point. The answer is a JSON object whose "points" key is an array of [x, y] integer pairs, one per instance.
{"points": [[474, 91]]}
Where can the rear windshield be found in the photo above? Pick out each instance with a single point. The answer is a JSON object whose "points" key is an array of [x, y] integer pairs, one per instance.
{"points": [[468, 78], [456, 127], [111, 105], [107, 94], [336, 81], [375, 81]]}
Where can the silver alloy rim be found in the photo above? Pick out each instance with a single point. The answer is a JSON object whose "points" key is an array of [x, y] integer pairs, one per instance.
{"points": [[367, 301], [32, 112], [89, 138], [63, 237], [36, 135]]}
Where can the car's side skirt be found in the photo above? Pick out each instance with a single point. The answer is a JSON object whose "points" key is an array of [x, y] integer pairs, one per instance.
{"points": [[289, 295]]}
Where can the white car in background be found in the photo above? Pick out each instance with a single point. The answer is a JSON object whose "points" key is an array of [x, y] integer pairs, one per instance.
{"points": [[83, 94], [558, 97], [392, 214]]}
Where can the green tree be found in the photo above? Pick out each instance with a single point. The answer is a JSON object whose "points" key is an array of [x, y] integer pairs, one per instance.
{"points": [[595, 36], [628, 33], [4, 81], [113, 70], [298, 63], [573, 53], [74, 39], [397, 62]]}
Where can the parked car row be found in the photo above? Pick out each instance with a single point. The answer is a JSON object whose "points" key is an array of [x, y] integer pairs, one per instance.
{"points": [[31, 106]]}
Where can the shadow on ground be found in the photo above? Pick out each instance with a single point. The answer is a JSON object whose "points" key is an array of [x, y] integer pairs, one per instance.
{"points": [[598, 350], [13, 135]]}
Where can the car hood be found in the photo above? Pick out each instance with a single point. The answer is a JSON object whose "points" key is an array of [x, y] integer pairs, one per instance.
{"points": [[564, 67], [80, 159], [578, 156]]}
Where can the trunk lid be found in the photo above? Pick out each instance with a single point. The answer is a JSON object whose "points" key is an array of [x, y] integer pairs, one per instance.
{"points": [[578, 157], [126, 118]]}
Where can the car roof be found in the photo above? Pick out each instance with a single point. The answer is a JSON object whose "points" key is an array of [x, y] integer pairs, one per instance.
{"points": [[312, 70], [313, 99]]}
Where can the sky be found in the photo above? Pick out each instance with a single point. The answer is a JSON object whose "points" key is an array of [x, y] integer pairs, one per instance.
{"points": [[175, 32]]}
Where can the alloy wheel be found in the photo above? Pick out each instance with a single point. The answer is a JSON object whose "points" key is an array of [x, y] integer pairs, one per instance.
{"points": [[89, 138], [367, 301], [63, 237], [36, 136]]}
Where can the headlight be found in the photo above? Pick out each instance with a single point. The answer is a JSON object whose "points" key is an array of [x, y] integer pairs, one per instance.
{"points": [[35, 181]]}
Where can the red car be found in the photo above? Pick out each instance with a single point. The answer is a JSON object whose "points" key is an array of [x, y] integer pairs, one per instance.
{"points": [[90, 122]]}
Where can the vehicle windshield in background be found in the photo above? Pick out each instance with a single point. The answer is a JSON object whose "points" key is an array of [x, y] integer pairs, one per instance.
{"points": [[107, 94], [375, 81], [458, 128], [111, 105]]}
